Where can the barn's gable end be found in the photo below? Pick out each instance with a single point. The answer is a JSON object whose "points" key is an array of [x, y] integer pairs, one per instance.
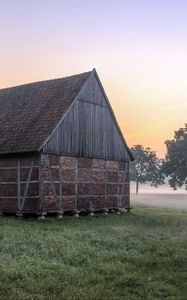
{"points": [[89, 128]]}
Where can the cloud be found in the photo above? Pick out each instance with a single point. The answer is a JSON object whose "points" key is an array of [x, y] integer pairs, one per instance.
{"points": [[177, 106]]}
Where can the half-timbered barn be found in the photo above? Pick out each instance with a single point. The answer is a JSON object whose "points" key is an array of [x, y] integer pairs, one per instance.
{"points": [[61, 148]]}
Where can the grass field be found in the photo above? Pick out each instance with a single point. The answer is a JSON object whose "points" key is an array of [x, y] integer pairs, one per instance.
{"points": [[138, 256]]}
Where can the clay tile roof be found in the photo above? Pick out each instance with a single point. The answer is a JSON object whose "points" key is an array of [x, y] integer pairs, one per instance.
{"points": [[30, 112]]}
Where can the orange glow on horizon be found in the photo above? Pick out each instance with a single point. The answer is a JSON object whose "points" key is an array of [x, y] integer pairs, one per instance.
{"points": [[139, 52]]}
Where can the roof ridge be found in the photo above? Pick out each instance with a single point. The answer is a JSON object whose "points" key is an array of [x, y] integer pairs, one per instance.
{"points": [[45, 81]]}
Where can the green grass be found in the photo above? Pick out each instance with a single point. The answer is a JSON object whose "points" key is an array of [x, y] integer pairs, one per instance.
{"points": [[138, 256]]}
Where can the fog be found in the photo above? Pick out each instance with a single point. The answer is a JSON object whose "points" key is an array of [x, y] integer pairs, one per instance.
{"points": [[163, 189], [164, 196]]}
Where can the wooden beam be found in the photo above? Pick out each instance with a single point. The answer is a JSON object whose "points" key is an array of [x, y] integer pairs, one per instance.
{"points": [[91, 192], [118, 204], [27, 184], [76, 186], [51, 180], [18, 185], [122, 190], [41, 181], [60, 186], [105, 188]]}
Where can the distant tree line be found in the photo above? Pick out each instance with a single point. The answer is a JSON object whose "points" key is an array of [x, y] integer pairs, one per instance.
{"points": [[148, 168]]}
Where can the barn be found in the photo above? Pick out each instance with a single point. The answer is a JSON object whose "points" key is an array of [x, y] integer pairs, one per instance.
{"points": [[61, 149]]}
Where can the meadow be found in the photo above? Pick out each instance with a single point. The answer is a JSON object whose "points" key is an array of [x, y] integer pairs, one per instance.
{"points": [[142, 255]]}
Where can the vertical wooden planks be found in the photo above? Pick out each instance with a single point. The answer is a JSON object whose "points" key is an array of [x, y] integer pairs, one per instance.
{"points": [[89, 129]]}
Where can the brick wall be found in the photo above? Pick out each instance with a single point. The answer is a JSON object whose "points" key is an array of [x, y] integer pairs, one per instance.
{"points": [[14, 172], [72, 184], [62, 184]]}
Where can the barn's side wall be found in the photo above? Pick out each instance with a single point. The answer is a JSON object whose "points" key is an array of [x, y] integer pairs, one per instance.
{"points": [[51, 183], [19, 183], [84, 184]]}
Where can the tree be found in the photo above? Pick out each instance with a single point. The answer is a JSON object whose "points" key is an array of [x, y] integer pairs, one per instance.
{"points": [[146, 167], [175, 164]]}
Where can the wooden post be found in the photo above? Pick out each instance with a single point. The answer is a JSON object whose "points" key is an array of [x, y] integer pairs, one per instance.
{"points": [[76, 189], [91, 195], [18, 184], [60, 213], [41, 213], [19, 213], [41, 194], [51, 181], [119, 204], [27, 184], [105, 209], [122, 190]]}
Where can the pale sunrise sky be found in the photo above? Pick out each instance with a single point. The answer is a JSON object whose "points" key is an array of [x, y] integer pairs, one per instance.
{"points": [[138, 47]]}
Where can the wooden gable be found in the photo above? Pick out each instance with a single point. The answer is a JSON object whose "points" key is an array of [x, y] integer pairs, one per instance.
{"points": [[89, 127]]}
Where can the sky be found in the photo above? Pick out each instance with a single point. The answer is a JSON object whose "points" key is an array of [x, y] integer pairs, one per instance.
{"points": [[138, 47]]}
